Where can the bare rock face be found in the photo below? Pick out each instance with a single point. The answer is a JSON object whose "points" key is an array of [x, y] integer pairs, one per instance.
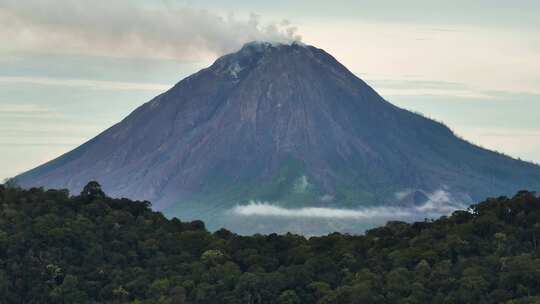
{"points": [[281, 123]]}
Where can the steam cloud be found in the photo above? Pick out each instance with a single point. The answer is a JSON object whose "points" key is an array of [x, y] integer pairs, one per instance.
{"points": [[124, 29], [439, 203]]}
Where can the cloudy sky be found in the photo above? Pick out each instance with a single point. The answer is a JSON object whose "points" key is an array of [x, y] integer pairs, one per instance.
{"points": [[70, 69]]}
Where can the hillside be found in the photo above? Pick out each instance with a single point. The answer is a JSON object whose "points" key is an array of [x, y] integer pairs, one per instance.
{"points": [[92, 248]]}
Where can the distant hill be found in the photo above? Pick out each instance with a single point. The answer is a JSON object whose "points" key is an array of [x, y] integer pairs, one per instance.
{"points": [[94, 249], [285, 124]]}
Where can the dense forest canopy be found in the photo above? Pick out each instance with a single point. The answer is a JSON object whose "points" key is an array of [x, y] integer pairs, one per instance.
{"points": [[92, 248]]}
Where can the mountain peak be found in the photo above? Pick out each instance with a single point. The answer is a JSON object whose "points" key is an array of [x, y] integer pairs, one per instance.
{"points": [[262, 46], [251, 54]]}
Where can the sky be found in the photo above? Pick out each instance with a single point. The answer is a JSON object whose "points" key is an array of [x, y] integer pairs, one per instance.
{"points": [[71, 69]]}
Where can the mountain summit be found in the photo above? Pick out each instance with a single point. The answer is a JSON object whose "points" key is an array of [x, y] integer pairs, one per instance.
{"points": [[282, 123]]}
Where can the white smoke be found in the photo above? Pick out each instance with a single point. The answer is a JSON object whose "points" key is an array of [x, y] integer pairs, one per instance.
{"points": [[130, 29], [439, 203]]}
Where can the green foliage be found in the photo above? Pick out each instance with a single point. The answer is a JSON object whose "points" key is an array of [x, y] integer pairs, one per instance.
{"points": [[92, 191], [94, 249]]}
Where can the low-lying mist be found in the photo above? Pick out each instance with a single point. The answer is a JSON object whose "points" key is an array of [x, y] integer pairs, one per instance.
{"points": [[439, 203]]}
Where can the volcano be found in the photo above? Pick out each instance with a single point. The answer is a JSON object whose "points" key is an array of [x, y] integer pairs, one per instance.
{"points": [[280, 123]]}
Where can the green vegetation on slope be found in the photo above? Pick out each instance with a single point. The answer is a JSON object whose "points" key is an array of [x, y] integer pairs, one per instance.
{"points": [[94, 249]]}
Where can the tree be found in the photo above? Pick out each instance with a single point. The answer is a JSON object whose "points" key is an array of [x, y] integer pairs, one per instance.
{"points": [[92, 191], [69, 292], [178, 295], [60, 249], [288, 297], [213, 257]]}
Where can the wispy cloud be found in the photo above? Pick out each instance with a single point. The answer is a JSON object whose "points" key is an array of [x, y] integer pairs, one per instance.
{"points": [[461, 94], [125, 28], [268, 209], [439, 202], [26, 111], [22, 108], [18, 127], [409, 86], [419, 87], [43, 144], [95, 84]]}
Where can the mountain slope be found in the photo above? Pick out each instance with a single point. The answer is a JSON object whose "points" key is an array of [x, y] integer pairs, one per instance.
{"points": [[284, 123]]}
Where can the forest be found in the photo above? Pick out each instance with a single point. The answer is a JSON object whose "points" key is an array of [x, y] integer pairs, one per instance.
{"points": [[90, 248]]}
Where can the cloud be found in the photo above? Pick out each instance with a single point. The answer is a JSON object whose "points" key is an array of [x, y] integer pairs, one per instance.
{"points": [[267, 209], [26, 111], [440, 202], [456, 90], [94, 84], [124, 28], [419, 87], [21, 108]]}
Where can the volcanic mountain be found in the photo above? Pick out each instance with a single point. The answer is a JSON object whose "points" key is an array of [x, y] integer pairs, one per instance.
{"points": [[282, 123]]}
